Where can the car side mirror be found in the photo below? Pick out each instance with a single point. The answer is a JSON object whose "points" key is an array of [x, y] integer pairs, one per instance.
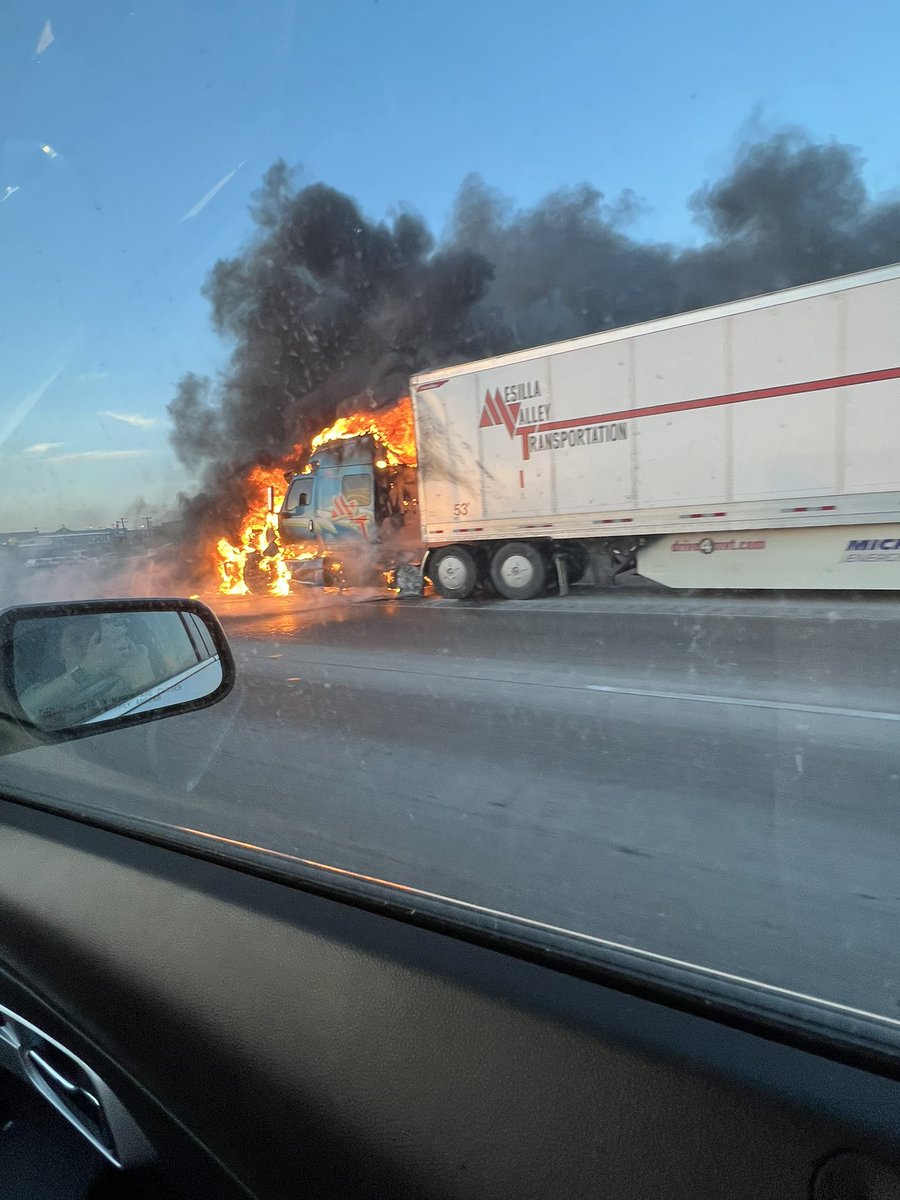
{"points": [[75, 669], [302, 500]]}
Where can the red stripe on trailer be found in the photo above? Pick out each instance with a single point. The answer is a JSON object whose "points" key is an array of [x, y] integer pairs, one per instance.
{"points": [[656, 410]]}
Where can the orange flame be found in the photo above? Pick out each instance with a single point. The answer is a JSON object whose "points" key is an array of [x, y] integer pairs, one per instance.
{"points": [[259, 542], [393, 428]]}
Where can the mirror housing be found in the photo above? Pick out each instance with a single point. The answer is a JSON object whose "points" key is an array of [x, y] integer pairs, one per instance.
{"points": [[80, 668]]}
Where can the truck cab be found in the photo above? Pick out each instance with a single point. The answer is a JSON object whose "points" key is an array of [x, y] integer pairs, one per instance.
{"points": [[352, 503]]}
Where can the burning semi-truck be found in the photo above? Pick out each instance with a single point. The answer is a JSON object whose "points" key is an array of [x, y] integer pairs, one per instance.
{"points": [[750, 445]]}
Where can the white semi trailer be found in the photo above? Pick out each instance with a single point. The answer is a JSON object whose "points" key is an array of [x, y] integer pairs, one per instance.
{"points": [[750, 445]]}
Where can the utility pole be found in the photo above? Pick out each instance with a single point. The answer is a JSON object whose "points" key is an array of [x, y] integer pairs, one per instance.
{"points": [[124, 529], [148, 520]]}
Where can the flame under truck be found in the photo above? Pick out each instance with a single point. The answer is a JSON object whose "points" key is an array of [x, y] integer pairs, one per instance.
{"points": [[750, 445]]}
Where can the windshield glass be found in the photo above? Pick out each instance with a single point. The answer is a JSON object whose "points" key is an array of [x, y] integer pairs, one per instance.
{"points": [[575, 329]]}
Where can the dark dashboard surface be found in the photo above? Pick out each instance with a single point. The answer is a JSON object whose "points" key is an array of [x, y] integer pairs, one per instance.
{"points": [[276, 1043]]}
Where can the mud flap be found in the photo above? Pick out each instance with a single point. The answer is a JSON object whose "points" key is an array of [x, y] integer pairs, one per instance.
{"points": [[562, 573]]}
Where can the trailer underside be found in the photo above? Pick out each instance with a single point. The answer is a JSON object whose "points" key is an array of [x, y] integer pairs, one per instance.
{"points": [[836, 557]]}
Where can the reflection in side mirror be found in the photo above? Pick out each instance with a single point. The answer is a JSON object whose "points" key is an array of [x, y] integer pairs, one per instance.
{"points": [[73, 669]]}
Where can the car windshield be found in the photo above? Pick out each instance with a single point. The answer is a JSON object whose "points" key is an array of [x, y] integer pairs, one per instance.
{"points": [[520, 387]]}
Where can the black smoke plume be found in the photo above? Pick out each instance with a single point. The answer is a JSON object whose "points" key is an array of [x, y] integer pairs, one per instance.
{"points": [[327, 310]]}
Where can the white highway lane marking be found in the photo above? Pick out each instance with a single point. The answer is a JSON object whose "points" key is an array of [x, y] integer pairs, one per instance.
{"points": [[819, 710], [635, 605], [825, 710]]}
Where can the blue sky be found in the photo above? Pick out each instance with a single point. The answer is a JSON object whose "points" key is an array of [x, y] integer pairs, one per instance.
{"points": [[147, 104]]}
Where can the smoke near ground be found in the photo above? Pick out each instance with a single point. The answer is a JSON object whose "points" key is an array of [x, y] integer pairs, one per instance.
{"points": [[327, 310], [160, 573]]}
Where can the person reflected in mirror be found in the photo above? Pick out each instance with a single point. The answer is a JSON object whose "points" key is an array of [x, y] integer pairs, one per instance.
{"points": [[140, 662], [102, 665]]}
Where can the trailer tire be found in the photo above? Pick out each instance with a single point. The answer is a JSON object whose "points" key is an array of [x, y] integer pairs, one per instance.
{"points": [[519, 571], [454, 572]]}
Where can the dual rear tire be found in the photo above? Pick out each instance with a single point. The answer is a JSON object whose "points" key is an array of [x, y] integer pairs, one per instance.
{"points": [[454, 572], [518, 571]]}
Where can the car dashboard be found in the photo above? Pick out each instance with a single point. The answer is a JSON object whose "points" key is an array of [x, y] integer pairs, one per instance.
{"points": [[228, 1034]]}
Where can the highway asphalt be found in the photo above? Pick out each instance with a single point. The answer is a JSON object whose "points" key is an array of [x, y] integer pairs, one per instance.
{"points": [[709, 778]]}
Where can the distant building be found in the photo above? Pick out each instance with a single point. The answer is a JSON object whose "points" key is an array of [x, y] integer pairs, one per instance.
{"points": [[9, 541], [67, 540], [63, 546]]}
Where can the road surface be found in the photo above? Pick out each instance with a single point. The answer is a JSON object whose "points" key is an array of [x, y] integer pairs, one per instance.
{"points": [[713, 779]]}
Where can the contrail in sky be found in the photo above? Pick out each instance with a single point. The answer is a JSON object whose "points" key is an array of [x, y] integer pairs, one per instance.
{"points": [[24, 407], [204, 200], [46, 39]]}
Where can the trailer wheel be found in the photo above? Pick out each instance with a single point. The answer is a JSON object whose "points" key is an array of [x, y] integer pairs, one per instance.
{"points": [[519, 571], [453, 572]]}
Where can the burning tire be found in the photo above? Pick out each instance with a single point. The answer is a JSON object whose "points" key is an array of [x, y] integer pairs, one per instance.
{"points": [[453, 572], [256, 579], [519, 571]]}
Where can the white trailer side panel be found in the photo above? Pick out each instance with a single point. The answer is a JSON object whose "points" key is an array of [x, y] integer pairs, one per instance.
{"points": [[449, 452], [581, 487], [785, 445], [782, 410], [681, 457], [511, 484], [872, 428]]}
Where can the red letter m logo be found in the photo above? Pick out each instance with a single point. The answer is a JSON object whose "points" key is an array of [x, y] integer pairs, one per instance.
{"points": [[497, 412]]}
